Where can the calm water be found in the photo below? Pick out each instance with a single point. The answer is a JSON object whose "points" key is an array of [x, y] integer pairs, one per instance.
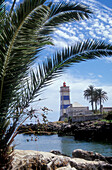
{"points": [[64, 144]]}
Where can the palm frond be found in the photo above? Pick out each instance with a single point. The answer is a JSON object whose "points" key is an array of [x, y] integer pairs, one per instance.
{"points": [[4, 123], [22, 38], [54, 67], [1, 6], [64, 12], [2, 14]]}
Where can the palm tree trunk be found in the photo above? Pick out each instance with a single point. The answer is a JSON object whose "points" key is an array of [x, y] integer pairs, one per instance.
{"points": [[100, 106], [95, 106], [92, 105]]}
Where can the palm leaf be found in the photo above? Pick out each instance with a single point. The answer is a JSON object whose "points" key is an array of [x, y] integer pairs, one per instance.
{"points": [[54, 66], [2, 14], [23, 37], [67, 12], [64, 12]]}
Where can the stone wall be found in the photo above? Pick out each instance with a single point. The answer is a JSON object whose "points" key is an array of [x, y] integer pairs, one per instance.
{"points": [[82, 118], [77, 110]]}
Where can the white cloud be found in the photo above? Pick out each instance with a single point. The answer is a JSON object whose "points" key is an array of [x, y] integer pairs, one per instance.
{"points": [[16, 0], [98, 27], [60, 43], [100, 76], [91, 75], [62, 34], [8, 3], [108, 59]]}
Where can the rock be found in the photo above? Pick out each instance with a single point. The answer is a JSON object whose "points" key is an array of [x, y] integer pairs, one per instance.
{"points": [[24, 160], [56, 152], [79, 153], [81, 164], [59, 162], [66, 168], [109, 159]]}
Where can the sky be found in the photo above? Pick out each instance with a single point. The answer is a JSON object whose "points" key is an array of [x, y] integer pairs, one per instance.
{"points": [[79, 76]]}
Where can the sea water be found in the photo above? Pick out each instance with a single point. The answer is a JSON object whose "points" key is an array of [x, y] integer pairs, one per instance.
{"points": [[64, 144]]}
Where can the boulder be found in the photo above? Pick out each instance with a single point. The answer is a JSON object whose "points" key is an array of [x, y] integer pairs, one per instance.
{"points": [[87, 155]]}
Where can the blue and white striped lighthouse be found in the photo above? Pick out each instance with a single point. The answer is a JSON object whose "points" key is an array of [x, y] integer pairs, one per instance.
{"points": [[64, 99]]}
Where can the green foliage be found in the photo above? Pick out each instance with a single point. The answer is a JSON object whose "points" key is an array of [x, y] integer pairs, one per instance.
{"points": [[109, 116], [66, 120], [89, 95], [107, 121], [96, 112]]}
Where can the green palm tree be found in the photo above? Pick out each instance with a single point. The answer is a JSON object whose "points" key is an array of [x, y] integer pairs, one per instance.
{"points": [[102, 96], [89, 95], [95, 98], [24, 32]]}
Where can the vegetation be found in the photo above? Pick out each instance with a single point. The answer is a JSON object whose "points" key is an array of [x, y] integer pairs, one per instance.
{"points": [[66, 120], [107, 121], [95, 97], [109, 116], [24, 32], [59, 122]]}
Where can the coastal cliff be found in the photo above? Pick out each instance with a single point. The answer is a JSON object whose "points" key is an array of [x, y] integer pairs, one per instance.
{"points": [[89, 131]]}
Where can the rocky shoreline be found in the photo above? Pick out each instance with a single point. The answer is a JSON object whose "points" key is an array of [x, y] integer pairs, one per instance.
{"points": [[98, 131], [54, 160]]}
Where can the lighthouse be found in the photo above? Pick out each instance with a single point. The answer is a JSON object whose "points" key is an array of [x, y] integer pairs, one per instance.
{"points": [[64, 100]]}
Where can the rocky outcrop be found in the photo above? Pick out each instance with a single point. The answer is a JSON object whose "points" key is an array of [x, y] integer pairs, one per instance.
{"points": [[89, 131], [81, 160], [43, 129], [79, 153]]}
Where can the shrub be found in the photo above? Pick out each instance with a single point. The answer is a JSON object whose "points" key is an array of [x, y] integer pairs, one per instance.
{"points": [[66, 120], [109, 116]]}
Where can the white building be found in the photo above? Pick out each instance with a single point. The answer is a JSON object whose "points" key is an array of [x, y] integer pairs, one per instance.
{"points": [[77, 109]]}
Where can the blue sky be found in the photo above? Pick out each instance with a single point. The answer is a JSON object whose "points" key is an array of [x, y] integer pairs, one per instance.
{"points": [[80, 76]]}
